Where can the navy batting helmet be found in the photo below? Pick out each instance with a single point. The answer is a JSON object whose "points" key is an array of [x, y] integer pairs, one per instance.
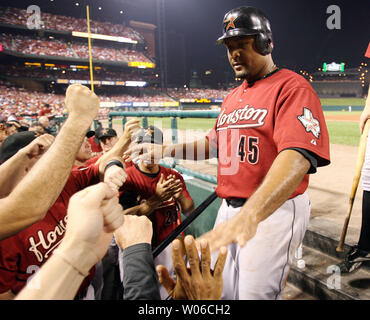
{"points": [[247, 21]]}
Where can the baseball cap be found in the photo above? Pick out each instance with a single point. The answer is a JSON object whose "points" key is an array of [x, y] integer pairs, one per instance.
{"points": [[150, 135], [90, 133], [105, 133], [12, 144]]}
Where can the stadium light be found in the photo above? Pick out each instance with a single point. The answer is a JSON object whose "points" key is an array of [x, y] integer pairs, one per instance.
{"points": [[99, 8], [77, 4], [121, 12]]}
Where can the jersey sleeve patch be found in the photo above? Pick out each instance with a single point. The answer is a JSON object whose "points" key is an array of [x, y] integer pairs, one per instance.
{"points": [[310, 123]]}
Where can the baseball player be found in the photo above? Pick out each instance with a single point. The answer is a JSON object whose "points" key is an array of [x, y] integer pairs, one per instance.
{"points": [[269, 136], [143, 181], [360, 253]]}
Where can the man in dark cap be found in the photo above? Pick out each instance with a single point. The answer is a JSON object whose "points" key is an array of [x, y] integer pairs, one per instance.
{"points": [[107, 138]]}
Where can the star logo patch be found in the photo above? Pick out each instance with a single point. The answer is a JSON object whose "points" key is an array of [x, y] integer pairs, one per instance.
{"points": [[231, 23], [310, 123]]}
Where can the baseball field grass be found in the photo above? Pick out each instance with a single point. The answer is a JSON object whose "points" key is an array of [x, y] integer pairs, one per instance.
{"points": [[342, 101], [343, 131], [347, 133]]}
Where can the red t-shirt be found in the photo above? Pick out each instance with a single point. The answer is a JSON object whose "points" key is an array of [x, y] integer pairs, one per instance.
{"points": [[22, 254], [166, 218], [257, 122]]}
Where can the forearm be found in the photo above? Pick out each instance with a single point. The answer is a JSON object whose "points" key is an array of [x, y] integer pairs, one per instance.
{"points": [[66, 269], [64, 278], [145, 208], [196, 150], [117, 150], [284, 176], [186, 205], [11, 171], [42, 185]]}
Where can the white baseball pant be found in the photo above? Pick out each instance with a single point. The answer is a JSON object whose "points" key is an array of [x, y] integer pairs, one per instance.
{"points": [[366, 168], [259, 270]]}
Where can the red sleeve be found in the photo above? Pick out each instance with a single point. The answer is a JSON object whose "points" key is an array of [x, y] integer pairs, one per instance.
{"points": [[300, 123], [83, 177], [8, 265], [212, 137]]}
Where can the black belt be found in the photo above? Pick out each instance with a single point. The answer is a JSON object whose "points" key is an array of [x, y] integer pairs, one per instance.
{"points": [[236, 202]]}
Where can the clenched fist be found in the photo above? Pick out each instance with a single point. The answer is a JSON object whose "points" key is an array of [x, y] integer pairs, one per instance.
{"points": [[82, 103], [38, 146]]}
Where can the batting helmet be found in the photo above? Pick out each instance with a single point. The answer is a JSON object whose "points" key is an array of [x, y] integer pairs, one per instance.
{"points": [[247, 21]]}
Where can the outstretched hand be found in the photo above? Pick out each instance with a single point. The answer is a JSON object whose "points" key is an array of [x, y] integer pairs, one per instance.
{"points": [[198, 283], [147, 152], [239, 229]]}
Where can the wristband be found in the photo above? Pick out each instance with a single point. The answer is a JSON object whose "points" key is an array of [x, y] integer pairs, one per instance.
{"points": [[113, 163], [65, 259]]}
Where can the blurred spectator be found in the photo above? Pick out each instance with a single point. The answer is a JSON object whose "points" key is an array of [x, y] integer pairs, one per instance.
{"points": [[37, 128], [3, 133]]}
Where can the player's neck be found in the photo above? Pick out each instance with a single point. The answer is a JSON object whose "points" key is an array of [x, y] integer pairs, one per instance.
{"points": [[151, 168], [268, 68]]}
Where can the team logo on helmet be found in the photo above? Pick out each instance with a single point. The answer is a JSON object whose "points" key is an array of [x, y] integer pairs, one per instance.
{"points": [[231, 23], [310, 123]]}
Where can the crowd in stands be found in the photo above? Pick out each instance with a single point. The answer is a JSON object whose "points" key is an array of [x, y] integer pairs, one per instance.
{"points": [[51, 74], [130, 98], [17, 101], [57, 22], [27, 45], [194, 93], [14, 101]]}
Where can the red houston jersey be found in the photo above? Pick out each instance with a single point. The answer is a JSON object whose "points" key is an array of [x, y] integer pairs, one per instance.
{"points": [[258, 121], [166, 218], [22, 254]]}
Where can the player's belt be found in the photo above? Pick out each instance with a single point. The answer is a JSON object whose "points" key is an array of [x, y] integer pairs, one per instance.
{"points": [[236, 202]]}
